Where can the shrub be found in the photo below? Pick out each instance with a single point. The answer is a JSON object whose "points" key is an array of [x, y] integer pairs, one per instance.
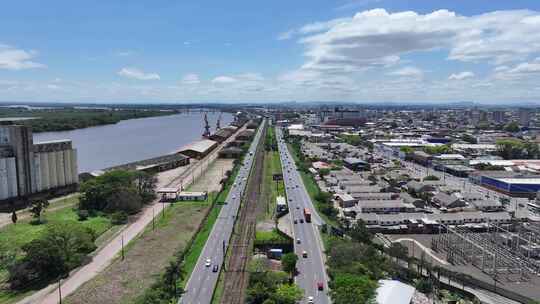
{"points": [[119, 218], [83, 215]]}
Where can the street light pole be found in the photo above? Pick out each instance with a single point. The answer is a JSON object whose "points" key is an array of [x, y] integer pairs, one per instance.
{"points": [[59, 291]]}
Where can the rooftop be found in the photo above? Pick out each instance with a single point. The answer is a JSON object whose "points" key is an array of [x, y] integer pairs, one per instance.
{"points": [[394, 292], [199, 146]]}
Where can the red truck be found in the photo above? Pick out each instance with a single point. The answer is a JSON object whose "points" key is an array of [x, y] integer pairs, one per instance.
{"points": [[307, 215]]}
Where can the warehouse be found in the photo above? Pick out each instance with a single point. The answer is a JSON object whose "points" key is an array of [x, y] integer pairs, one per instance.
{"points": [[198, 149], [519, 186], [222, 134]]}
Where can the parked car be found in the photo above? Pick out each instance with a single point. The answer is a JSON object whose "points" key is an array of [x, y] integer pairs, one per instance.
{"points": [[215, 268]]}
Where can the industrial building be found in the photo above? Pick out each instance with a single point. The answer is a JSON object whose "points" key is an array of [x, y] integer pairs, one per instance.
{"points": [[198, 149], [520, 186], [27, 169]]}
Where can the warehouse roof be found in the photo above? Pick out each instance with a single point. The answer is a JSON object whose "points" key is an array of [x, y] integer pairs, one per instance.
{"points": [[528, 181], [199, 146], [394, 292]]}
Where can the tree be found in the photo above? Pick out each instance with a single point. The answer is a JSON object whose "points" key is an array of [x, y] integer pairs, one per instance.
{"points": [[469, 138], [37, 207], [324, 172], [424, 286], [146, 186], [62, 247], [360, 233], [288, 294], [14, 217], [124, 199], [512, 127], [406, 150], [288, 262], [442, 149], [517, 149], [352, 289], [118, 190], [398, 251], [258, 293]]}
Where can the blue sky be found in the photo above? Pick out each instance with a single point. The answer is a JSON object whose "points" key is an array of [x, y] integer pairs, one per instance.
{"points": [[346, 50]]}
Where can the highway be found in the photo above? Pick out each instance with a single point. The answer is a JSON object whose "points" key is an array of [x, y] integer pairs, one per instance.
{"points": [[311, 269], [200, 286]]}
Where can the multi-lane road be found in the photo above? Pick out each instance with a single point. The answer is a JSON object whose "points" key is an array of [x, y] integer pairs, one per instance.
{"points": [[311, 269], [200, 286]]}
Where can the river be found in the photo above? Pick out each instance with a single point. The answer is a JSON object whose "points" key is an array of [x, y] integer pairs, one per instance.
{"points": [[135, 139]]}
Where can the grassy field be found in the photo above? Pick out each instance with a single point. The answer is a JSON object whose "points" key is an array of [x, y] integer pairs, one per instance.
{"points": [[272, 189], [272, 165], [145, 257], [14, 236]]}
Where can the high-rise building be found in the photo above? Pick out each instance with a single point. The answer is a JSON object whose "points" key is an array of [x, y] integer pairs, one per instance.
{"points": [[27, 168], [524, 117], [498, 116]]}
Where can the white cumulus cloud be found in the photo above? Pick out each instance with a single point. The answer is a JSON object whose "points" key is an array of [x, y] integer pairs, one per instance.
{"points": [[16, 59], [409, 71], [135, 73], [376, 37], [224, 80], [191, 79], [461, 76]]}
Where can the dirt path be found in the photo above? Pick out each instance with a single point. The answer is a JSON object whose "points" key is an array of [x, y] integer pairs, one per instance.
{"points": [[104, 256]]}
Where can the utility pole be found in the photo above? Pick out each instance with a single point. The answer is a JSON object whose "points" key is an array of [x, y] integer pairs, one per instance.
{"points": [[153, 219], [59, 291], [122, 247]]}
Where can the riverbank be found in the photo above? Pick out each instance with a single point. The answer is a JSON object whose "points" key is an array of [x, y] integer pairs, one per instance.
{"points": [[134, 139], [51, 120]]}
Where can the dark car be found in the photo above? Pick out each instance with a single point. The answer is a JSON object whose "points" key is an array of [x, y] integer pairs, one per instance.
{"points": [[295, 221], [320, 286], [301, 221], [215, 268]]}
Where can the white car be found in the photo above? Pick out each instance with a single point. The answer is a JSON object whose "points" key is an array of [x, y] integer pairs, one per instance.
{"points": [[310, 299], [208, 263]]}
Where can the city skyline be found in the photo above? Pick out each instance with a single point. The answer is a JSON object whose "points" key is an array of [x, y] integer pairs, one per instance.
{"points": [[346, 51]]}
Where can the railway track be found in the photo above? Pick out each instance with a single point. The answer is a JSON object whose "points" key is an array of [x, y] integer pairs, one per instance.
{"points": [[236, 275]]}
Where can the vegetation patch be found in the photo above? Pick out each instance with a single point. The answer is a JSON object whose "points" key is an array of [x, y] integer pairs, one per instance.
{"points": [[70, 119], [272, 287], [273, 237]]}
